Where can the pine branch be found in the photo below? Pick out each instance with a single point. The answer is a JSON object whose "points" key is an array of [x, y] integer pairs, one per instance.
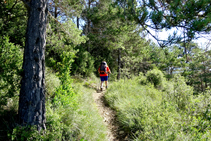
{"points": [[58, 23], [27, 3], [13, 6], [158, 40]]}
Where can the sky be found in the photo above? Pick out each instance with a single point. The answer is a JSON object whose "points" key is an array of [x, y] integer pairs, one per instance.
{"points": [[203, 41]]}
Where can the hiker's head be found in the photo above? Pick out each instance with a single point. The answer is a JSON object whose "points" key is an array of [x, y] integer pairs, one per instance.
{"points": [[104, 63]]}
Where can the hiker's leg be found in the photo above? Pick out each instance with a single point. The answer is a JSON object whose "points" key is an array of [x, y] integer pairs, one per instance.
{"points": [[101, 84], [106, 83]]}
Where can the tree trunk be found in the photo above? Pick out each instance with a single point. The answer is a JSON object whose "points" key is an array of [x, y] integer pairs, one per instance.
{"points": [[204, 74], [32, 94], [88, 49], [119, 63], [78, 22], [55, 12], [55, 16], [201, 79]]}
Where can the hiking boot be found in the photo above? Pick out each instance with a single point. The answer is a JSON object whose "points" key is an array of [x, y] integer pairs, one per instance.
{"points": [[101, 89]]}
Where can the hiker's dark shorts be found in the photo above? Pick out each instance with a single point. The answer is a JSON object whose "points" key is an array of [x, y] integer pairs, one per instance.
{"points": [[104, 78]]}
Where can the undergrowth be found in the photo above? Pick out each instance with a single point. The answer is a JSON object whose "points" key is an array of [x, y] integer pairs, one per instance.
{"points": [[148, 110], [10, 69], [70, 112]]}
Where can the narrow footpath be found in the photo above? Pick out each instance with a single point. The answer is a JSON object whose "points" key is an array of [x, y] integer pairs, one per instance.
{"points": [[109, 117]]}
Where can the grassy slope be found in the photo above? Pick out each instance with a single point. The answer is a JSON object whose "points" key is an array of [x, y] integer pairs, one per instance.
{"points": [[83, 122], [170, 113], [88, 119], [167, 112], [79, 121]]}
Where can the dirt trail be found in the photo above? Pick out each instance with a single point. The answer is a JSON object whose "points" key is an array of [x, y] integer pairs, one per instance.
{"points": [[109, 117]]}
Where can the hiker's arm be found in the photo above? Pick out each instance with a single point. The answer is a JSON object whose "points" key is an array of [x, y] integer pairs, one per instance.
{"points": [[109, 71], [99, 70]]}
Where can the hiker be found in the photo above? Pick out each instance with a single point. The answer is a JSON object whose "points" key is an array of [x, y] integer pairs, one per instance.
{"points": [[104, 71]]}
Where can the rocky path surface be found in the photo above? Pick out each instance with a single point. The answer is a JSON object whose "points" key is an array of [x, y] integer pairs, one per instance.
{"points": [[109, 117]]}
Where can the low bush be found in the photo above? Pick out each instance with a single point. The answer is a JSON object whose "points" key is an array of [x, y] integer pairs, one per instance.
{"points": [[156, 77], [170, 112], [177, 91], [142, 79], [11, 58], [71, 115], [52, 82]]}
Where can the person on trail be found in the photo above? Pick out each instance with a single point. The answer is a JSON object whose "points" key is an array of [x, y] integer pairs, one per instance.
{"points": [[104, 71]]}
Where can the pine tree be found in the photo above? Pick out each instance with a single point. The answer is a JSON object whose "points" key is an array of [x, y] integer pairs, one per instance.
{"points": [[193, 17], [32, 95], [198, 73]]}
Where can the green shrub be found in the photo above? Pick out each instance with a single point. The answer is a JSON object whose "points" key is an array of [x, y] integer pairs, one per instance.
{"points": [[68, 121], [11, 58], [155, 77], [170, 113], [140, 110], [88, 123], [84, 63], [142, 79], [178, 92], [197, 124], [64, 94], [52, 82]]}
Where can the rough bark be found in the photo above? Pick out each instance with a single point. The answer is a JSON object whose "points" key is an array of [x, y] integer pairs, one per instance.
{"points": [[32, 94]]}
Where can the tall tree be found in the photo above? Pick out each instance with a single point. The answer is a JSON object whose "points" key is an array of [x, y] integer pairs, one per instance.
{"points": [[191, 16], [32, 95], [198, 73]]}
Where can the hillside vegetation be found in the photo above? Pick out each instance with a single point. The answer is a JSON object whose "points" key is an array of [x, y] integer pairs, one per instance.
{"points": [[71, 114], [151, 108]]}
